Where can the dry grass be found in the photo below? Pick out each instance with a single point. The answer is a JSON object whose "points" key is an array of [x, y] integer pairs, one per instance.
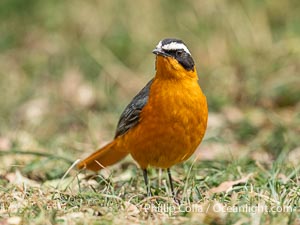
{"points": [[68, 69]]}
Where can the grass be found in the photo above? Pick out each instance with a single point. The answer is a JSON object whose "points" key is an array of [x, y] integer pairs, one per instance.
{"points": [[93, 199], [68, 69]]}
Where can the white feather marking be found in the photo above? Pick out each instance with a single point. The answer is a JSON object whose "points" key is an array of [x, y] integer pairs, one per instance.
{"points": [[174, 46], [158, 46]]}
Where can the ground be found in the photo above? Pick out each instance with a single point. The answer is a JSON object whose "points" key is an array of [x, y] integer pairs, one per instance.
{"points": [[67, 71]]}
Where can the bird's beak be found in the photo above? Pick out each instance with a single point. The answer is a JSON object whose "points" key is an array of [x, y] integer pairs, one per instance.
{"points": [[160, 51]]}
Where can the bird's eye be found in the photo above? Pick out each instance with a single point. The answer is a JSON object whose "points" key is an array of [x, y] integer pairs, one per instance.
{"points": [[179, 53]]}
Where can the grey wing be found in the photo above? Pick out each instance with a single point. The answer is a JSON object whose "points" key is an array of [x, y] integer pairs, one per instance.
{"points": [[131, 115]]}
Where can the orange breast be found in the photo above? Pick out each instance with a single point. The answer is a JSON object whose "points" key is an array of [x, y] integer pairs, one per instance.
{"points": [[172, 124]]}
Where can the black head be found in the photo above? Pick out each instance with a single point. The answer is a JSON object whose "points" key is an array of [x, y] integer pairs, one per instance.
{"points": [[175, 48]]}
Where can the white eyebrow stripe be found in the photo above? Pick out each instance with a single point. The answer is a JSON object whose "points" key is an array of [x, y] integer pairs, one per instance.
{"points": [[159, 45], [174, 46]]}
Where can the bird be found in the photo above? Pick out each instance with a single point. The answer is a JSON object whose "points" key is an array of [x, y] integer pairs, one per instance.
{"points": [[165, 122]]}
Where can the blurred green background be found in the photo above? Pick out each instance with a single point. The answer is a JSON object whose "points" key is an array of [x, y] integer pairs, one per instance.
{"points": [[68, 69]]}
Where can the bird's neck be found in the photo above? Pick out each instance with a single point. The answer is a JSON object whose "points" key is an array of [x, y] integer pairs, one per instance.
{"points": [[167, 68]]}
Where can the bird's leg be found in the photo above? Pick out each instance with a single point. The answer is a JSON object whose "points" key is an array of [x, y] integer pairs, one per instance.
{"points": [[172, 187], [145, 173]]}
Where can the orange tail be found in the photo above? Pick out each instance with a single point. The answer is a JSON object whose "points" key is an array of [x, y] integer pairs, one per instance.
{"points": [[105, 156]]}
